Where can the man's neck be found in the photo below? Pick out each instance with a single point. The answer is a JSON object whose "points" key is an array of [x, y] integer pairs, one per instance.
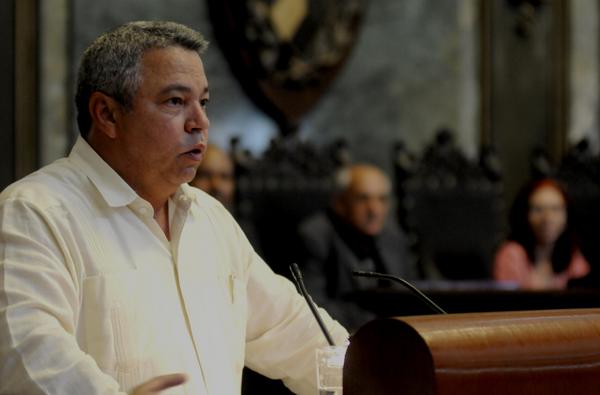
{"points": [[361, 244]]}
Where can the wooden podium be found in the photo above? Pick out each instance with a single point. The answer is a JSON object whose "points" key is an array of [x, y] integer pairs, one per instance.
{"points": [[524, 352]]}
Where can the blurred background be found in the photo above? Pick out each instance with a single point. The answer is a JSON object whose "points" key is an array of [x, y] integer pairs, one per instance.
{"points": [[459, 101], [511, 74]]}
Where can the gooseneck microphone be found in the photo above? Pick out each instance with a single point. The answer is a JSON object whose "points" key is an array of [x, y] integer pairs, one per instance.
{"points": [[402, 281], [297, 275]]}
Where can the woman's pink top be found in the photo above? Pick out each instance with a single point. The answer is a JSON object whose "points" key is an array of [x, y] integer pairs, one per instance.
{"points": [[512, 264]]}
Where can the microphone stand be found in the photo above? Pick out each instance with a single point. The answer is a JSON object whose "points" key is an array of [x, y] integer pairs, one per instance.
{"points": [[297, 275], [405, 283]]}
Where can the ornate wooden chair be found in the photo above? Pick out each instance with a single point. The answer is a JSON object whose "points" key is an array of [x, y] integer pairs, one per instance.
{"points": [[580, 171], [452, 208], [292, 180]]}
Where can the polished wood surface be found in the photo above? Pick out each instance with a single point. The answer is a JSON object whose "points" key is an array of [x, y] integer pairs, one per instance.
{"points": [[524, 352]]}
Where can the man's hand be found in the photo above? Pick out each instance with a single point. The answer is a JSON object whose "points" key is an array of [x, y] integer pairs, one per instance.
{"points": [[159, 383]]}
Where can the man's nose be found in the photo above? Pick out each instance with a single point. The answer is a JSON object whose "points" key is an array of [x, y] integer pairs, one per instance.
{"points": [[377, 205], [374, 209], [197, 119]]}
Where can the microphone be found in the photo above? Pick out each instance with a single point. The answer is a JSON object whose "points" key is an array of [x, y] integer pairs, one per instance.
{"points": [[297, 275], [405, 283]]}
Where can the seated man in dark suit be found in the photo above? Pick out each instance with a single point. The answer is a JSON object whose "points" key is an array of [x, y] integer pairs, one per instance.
{"points": [[216, 176], [355, 233]]}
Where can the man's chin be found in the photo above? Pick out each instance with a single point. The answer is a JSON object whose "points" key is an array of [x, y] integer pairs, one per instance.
{"points": [[188, 174], [371, 231]]}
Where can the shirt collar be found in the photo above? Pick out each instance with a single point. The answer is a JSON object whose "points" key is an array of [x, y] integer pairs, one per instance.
{"points": [[115, 191], [185, 195]]}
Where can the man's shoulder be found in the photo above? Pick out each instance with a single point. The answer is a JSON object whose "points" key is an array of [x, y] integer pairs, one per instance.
{"points": [[315, 224], [202, 198], [208, 204], [46, 186], [392, 231]]}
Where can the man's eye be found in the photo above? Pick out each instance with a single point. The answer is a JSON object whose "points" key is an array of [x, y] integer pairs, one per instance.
{"points": [[204, 102], [175, 101]]}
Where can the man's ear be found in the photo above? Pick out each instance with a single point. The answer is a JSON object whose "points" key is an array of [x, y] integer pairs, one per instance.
{"points": [[103, 110]]}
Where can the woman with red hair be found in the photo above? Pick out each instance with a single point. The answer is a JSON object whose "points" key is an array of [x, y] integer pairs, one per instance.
{"points": [[541, 251]]}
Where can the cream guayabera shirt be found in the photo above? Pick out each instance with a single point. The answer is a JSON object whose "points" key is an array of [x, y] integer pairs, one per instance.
{"points": [[95, 300]]}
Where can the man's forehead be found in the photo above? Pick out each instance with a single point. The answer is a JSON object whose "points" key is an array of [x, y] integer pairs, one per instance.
{"points": [[180, 87], [176, 66], [369, 179]]}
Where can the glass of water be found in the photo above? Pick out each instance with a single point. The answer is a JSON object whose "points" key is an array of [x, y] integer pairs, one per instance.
{"points": [[330, 367]]}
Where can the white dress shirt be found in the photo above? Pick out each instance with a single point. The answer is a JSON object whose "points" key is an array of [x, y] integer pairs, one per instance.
{"points": [[94, 299]]}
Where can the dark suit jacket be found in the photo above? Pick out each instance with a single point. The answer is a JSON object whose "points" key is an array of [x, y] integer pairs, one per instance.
{"points": [[328, 261]]}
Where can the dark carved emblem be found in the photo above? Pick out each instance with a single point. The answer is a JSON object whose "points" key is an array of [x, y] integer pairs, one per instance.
{"points": [[286, 53]]}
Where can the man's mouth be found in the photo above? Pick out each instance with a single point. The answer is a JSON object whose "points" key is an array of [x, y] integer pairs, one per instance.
{"points": [[195, 154]]}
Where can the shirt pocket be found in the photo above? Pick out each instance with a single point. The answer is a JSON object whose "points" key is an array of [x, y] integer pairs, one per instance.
{"points": [[233, 313], [118, 327], [236, 297]]}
